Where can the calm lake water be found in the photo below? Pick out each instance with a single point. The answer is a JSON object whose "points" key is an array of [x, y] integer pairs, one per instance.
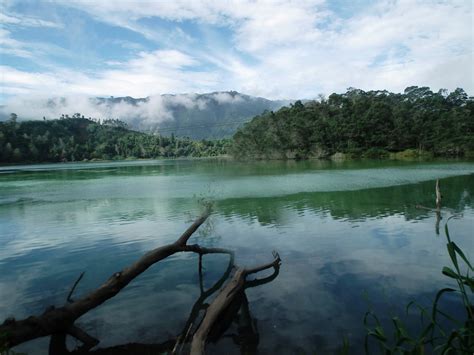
{"points": [[349, 235]]}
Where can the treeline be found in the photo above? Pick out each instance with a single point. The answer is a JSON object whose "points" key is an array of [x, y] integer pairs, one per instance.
{"points": [[77, 138], [359, 123], [356, 123]]}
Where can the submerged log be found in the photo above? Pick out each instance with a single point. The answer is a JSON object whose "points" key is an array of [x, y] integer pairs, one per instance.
{"points": [[438, 207], [61, 320], [199, 304], [438, 196], [238, 311], [233, 290]]}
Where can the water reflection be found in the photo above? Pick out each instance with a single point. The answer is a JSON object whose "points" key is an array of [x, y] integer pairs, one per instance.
{"points": [[358, 205], [236, 313], [343, 231]]}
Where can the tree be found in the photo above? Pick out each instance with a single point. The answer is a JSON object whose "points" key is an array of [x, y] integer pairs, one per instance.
{"points": [[360, 123]]}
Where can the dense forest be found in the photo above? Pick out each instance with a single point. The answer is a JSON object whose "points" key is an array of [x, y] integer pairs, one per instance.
{"points": [[77, 138], [359, 123], [356, 123]]}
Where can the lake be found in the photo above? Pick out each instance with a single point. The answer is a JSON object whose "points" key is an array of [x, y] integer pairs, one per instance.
{"points": [[349, 235]]}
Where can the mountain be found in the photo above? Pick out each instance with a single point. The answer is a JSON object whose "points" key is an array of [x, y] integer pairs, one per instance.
{"points": [[198, 116]]}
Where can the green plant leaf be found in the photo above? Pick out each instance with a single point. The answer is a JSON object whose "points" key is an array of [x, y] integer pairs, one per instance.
{"points": [[436, 300], [450, 273], [379, 331], [461, 254], [452, 255]]}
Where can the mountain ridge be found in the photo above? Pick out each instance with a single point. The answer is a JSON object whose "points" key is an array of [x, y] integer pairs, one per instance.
{"points": [[210, 115]]}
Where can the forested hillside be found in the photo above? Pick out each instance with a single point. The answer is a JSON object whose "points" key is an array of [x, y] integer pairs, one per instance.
{"points": [[218, 115], [212, 115], [78, 138], [360, 123], [356, 123]]}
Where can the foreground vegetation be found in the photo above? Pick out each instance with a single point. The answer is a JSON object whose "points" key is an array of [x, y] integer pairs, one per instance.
{"points": [[441, 332], [77, 138], [359, 123]]}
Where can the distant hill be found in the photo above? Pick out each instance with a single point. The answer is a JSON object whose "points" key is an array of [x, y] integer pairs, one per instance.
{"points": [[198, 116]]}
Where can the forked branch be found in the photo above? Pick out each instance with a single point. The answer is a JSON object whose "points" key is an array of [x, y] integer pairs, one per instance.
{"points": [[61, 319], [231, 291]]}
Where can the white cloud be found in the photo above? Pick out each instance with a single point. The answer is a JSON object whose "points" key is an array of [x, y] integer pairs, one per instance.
{"points": [[25, 21], [162, 58], [11, 46], [150, 72], [143, 114], [225, 98], [279, 49]]}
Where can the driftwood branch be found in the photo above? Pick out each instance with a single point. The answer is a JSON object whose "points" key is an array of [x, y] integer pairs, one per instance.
{"points": [[88, 341], [438, 210], [263, 280], [438, 196], [438, 200], [232, 290], [58, 341], [275, 263], [438, 207], [69, 296], [199, 304], [58, 320]]}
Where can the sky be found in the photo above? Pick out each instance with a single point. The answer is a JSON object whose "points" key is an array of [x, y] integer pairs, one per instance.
{"points": [[274, 49]]}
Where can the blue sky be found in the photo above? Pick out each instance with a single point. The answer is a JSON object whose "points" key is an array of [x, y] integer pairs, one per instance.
{"points": [[274, 49]]}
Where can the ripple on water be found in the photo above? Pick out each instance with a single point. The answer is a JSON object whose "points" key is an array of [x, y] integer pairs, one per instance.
{"points": [[339, 231]]}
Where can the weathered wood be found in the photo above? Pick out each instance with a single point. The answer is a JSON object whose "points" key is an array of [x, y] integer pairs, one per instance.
{"points": [[232, 290], [59, 320], [73, 288], [88, 341], [436, 210], [438, 196], [58, 341], [199, 304]]}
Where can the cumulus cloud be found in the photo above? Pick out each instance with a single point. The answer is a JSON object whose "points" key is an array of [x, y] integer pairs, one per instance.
{"points": [[158, 71], [277, 49]]}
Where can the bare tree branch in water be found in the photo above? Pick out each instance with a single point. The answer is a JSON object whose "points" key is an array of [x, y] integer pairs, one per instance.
{"points": [[59, 322], [247, 337], [232, 291], [438, 208], [199, 305]]}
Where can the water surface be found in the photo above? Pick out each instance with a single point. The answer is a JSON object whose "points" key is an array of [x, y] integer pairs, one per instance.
{"points": [[349, 234]]}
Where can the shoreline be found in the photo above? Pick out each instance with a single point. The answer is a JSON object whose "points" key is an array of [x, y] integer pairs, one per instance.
{"points": [[336, 158]]}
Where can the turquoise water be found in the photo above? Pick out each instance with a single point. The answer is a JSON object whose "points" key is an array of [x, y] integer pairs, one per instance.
{"points": [[349, 235]]}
